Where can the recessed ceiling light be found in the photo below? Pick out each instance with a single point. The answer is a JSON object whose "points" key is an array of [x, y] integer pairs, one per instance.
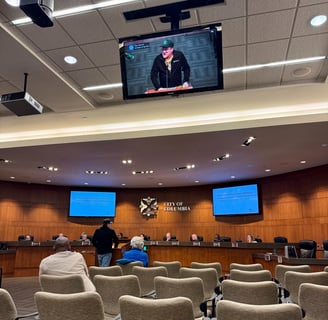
{"points": [[267, 170], [70, 59], [5, 160], [318, 20], [127, 161], [303, 161]]}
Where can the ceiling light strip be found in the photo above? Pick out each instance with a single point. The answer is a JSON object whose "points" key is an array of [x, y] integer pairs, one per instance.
{"points": [[77, 10], [273, 64]]}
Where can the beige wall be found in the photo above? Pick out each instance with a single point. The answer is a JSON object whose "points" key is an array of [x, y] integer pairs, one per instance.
{"points": [[294, 205]]}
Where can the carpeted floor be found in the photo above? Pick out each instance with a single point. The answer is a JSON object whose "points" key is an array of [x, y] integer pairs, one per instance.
{"points": [[22, 290]]}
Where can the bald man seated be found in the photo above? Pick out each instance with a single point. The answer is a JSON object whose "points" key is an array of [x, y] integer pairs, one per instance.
{"points": [[66, 262]]}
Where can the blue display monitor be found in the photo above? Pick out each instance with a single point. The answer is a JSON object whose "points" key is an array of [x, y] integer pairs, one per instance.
{"points": [[92, 204], [236, 200]]}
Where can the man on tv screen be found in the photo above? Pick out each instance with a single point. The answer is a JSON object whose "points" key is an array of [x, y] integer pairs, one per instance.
{"points": [[170, 69]]}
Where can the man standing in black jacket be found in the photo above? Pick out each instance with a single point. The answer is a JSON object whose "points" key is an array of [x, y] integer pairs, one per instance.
{"points": [[168, 68], [103, 240]]}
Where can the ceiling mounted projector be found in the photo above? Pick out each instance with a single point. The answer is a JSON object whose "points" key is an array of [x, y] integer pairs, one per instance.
{"points": [[21, 103], [40, 11]]}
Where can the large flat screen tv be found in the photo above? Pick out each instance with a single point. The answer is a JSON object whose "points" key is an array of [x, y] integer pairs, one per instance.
{"points": [[97, 204], [198, 68], [236, 200]]}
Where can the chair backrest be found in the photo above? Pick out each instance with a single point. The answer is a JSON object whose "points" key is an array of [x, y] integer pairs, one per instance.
{"points": [[173, 267], [8, 309], [208, 275], [191, 288], [111, 288], [127, 268], [308, 248], [62, 284], [294, 279], [245, 266], [280, 239], [325, 269], [281, 269], [231, 310], [76, 306], [313, 300], [250, 276], [146, 277], [263, 292], [105, 271], [22, 238], [325, 248], [201, 265], [178, 308], [199, 238]]}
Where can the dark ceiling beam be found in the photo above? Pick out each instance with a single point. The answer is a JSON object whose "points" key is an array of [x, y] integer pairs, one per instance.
{"points": [[172, 11]]}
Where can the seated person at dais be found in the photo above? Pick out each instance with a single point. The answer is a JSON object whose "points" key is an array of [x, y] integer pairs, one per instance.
{"points": [[195, 237], [66, 262], [85, 239], [136, 253]]}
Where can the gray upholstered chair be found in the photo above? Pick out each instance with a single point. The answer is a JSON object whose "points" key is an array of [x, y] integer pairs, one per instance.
{"points": [[201, 265], [105, 271], [8, 310], [208, 275], [191, 288], [313, 298], [111, 288], [250, 276], [246, 267], [231, 310], [294, 279], [177, 308], [263, 292], [146, 277], [173, 267], [281, 269], [62, 284], [75, 306], [127, 268]]}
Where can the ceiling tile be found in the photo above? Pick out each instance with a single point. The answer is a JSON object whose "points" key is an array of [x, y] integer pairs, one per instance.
{"points": [[58, 55], [308, 46], [270, 26], [219, 12], [112, 73], [92, 24], [302, 73], [87, 77], [266, 52], [47, 38], [102, 53], [304, 15], [266, 76], [234, 32], [120, 27], [260, 6]]}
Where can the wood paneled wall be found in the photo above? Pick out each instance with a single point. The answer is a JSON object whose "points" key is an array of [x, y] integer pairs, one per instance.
{"points": [[295, 205]]}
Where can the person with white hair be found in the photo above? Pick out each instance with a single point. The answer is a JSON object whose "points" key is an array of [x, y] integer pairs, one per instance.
{"points": [[137, 253]]}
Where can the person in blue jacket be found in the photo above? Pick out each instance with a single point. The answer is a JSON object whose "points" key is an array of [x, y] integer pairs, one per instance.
{"points": [[137, 253]]}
